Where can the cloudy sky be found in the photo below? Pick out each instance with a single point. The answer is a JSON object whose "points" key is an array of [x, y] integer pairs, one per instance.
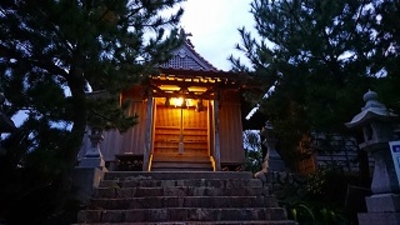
{"points": [[214, 24]]}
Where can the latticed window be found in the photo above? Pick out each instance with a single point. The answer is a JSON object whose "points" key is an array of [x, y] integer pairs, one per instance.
{"points": [[177, 62]]}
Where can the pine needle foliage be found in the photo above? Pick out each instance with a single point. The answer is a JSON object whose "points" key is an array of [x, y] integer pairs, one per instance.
{"points": [[318, 58], [52, 54]]}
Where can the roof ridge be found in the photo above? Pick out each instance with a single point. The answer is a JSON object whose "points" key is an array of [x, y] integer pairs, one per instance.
{"points": [[190, 46]]}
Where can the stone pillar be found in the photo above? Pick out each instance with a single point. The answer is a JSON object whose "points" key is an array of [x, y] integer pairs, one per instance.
{"points": [[93, 157], [272, 160], [376, 122]]}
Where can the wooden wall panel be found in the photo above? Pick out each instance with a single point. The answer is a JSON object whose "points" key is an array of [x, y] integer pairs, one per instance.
{"points": [[131, 141], [231, 140], [111, 144], [134, 139]]}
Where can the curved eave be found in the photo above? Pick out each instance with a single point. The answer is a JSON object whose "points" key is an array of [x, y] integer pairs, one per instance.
{"points": [[203, 73], [242, 80]]}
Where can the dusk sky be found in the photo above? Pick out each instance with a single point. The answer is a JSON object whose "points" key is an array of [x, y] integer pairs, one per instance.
{"points": [[214, 24]]}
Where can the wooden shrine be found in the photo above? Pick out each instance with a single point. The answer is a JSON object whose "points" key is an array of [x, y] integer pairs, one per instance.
{"points": [[189, 114]]}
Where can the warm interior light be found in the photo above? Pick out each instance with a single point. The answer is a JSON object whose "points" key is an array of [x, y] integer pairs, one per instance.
{"points": [[181, 102], [177, 101]]}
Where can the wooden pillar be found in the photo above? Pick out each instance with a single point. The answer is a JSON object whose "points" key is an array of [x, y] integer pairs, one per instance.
{"points": [[148, 138], [217, 150]]}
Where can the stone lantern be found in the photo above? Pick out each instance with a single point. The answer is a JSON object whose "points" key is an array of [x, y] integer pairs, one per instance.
{"points": [[93, 156], [272, 161], [376, 122], [91, 169]]}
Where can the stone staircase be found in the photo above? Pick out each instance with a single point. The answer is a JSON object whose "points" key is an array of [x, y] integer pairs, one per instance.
{"points": [[181, 163], [184, 198]]}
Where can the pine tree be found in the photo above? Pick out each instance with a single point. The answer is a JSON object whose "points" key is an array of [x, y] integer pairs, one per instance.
{"points": [[384, 25], [53, 52], [319, 57]]}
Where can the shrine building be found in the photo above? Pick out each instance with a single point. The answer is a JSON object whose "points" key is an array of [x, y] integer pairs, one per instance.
{"points": [[190, 118]]}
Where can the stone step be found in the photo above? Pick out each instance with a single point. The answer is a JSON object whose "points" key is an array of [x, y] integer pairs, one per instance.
{"points": [[110, 192], [220, 183], [179, 166], [169, 169], [182, 214], [181, 158], [181, 175], [181, 163], [282, 222], [184, 201]]}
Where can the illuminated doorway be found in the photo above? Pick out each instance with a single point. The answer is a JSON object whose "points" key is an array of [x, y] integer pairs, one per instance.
{"points": [[181, 129]]}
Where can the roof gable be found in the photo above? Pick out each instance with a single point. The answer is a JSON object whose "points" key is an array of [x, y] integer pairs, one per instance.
{"points": [[187, 58]]}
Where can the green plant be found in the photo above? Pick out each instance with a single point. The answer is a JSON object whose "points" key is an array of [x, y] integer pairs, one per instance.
{"points": [[299, 212], [315, 199], [334, 217], [310, 213], [253, 160], [253, 153]]}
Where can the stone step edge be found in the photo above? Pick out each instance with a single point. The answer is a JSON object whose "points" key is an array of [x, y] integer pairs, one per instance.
{"points": [[175, 202], [129, 179], [187, 196], [188, 182], [188, 208], [182, 175], [249, 189], [181, 168], [116, 186], [181, 160], [180, 187], [183, 214], [171, 166], [185, 180], [282, 222]]}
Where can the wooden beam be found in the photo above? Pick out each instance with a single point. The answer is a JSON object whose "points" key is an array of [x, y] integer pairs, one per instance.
{"points": [[217, 150], [192, 96], [148, 139], [192, 83]]}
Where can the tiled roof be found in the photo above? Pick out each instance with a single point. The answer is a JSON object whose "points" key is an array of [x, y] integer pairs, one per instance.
{"points": [[187, 66], [187, 58]]}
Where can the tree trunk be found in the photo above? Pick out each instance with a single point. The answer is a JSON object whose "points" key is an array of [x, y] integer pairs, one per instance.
{"points": [[72, 146], [79, 120]]}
